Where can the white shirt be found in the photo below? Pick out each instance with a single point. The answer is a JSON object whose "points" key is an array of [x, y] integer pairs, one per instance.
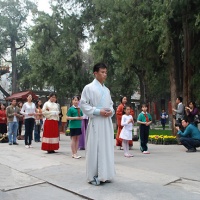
{"points": [[15, 118], [51, 110], [28, 108]]}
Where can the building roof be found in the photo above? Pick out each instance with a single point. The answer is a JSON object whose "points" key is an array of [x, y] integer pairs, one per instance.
{"points": [[4, 70], [22, 96]]}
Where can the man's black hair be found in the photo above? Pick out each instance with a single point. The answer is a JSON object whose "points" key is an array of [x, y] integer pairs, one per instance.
{"points": [[180, 99], [98, 66], [186, 119]]}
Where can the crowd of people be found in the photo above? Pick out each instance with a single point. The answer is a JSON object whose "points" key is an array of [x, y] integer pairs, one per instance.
{"points": [[186, 120], [91, 127]]}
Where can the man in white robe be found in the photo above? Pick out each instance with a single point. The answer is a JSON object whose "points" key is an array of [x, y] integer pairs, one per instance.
{"points": [[96, 103]]}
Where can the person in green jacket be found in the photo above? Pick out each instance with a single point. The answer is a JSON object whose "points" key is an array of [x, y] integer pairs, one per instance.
{"points": [[75, 115], [144, 119]]}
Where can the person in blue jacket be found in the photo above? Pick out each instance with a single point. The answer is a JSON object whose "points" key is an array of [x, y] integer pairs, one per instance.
{"points": [[190, 137]]}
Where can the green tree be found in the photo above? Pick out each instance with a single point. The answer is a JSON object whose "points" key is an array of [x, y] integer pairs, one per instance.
{"points": [[13, 37], [177, 23], [56, 52], [123, 27]]}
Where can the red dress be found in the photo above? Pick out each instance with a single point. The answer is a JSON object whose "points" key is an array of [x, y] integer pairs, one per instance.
{"points": [[50, 139], [119, 114]]}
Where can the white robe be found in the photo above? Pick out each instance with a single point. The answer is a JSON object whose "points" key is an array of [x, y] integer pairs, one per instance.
{"points": [[100, 133]]}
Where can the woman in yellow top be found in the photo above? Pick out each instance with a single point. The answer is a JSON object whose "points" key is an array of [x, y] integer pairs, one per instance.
{"points": [[38, 121]]}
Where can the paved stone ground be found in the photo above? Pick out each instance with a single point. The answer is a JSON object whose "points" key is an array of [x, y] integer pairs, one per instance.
{"points": [[168, 173]]}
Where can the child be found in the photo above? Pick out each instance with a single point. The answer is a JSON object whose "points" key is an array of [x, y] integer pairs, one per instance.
{"points": [[144, 119], [74, 115], [163, 118], [126, 133]]}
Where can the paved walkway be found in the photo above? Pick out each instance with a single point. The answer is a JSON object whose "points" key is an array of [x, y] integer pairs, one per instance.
{"points": [[168, 173]]}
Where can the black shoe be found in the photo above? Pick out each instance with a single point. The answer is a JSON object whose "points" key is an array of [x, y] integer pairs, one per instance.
{"points": [[51, 152], [107, 181], [10, 143], [15, 143], [191, 150]]}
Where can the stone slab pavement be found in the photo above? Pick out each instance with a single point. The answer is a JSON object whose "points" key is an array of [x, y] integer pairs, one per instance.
{"points": [[168, 173]]}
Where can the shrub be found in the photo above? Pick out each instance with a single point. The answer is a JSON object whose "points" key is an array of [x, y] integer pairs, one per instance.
{"points": [[162, 139]]}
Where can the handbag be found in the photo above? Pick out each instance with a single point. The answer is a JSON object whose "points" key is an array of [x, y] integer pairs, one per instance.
{"points": [[3, 139], [37, 122]]}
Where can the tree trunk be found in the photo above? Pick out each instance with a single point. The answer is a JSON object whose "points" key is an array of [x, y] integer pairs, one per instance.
{"points": [[14, 65], [187, 68], [175, 66], [173, 88], [141, 77]]}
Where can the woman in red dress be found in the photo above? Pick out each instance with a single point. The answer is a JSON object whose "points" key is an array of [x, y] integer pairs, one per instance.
{"points": [[50, 139], [119, 114]]}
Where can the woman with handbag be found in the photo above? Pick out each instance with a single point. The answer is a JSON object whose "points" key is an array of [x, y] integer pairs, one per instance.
{"points": [[20, 123], [38, 121]]}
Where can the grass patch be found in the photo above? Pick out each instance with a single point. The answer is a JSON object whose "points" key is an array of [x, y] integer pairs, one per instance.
{"points": [[160, 132]]}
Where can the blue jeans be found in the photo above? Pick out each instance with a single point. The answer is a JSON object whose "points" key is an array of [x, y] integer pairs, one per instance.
{"points": [[37, 129], [190, 143], [12, 132]]}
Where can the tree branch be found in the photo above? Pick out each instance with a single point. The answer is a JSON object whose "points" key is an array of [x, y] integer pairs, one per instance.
{"points": [[4, 92], [19, 21], [20, 46], [6, 60]]}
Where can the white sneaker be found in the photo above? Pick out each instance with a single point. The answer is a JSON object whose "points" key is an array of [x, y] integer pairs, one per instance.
{"points": [[26, 146], [30, 146], [126, 155], [118, 147], [146, 152], [76, 156], [121, 148]]}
